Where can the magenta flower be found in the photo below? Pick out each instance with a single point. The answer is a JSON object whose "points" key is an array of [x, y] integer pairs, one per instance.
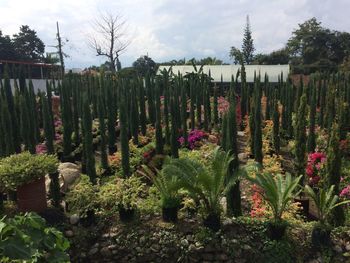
{"points": [[41, 148]]}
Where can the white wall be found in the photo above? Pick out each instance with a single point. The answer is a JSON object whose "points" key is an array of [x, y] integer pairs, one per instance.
{"points": [[39, 84]]}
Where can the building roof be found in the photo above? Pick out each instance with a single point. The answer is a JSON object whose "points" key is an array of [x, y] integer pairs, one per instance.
{"points": [[226, 71]]}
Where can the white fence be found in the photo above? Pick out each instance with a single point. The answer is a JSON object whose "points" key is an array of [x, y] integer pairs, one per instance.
{"points": [[39, 84]]}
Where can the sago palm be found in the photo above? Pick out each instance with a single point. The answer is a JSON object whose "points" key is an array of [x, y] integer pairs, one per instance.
{"points": [[277, 191], [325, 202], [167, 185], [204, 184]]}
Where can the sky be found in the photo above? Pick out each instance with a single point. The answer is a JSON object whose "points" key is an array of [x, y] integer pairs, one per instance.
{"points": [[170, 29]]}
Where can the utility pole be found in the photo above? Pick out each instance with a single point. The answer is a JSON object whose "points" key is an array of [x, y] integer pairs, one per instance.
{"points": [[60, 50]]}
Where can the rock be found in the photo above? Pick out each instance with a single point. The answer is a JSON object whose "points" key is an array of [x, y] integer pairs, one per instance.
{"points": [[347, 247], [105, 252], [227, 222], [68, 174], [184, 243], [142, 240], [247, 247], [212, 138], [313, 261], [69, 233], [240, 133], [192, 248], [74, 219], [189, 238], [155, 247], [338, 249], [93, 251]]}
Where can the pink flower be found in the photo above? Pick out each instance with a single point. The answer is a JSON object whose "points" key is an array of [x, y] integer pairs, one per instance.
{"points": [[345, 192], [41, 148], [314, 166]]}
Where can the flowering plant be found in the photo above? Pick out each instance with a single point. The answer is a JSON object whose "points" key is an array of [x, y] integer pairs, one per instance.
{"points": [[41, 148], [193, 137], [345, 193], [315, 167], [115, 160]]}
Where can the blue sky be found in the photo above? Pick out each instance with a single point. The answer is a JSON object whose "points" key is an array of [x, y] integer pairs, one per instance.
{"points": [[171, 29]]}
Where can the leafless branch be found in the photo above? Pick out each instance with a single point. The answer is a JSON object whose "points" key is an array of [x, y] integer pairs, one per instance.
{"points": [[110, 36]]}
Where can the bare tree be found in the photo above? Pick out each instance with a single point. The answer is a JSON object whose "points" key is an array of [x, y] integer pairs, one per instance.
{"points": [[109, 38]]}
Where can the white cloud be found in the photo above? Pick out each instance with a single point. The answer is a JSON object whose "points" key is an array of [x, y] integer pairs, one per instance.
{"points": [[172, 29]]}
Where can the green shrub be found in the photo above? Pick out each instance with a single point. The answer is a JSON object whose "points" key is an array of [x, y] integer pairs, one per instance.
{"points": [[129, 192], [23, 168], [108, 197], [83, 197], [25, 238]]}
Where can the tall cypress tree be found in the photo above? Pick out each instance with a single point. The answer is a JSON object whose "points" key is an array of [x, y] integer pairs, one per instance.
{"points": [[174, 130], [112, 112], [12, 112], [192, 102], [333, 168], [134, 114], [258, 155], [233, 196], [47, 124], [311, 140], [124, 138], [8, 132], [215, 107], [66, 113], [300, 138], [343, 120], [149, 85], [88, 141], [26, 133], [102, 128], [330, 107], [184, 113], [143, 117], [159, 132], [276, 125]]}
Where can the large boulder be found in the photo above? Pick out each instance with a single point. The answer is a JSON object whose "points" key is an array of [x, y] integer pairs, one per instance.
{"points": [[68, 174]]}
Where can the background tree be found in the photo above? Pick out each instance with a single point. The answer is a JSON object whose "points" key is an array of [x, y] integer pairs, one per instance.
{"points": [[277, 57], [109, 38], [248, 46], [7, 48], [28, 46], [144, 65]]}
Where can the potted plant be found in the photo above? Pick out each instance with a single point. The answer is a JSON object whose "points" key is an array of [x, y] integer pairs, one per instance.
{"points": [[168, 186], [25, 173], [325, 201], [277, 192], [127, 197], [205, 184], [82, 199]]}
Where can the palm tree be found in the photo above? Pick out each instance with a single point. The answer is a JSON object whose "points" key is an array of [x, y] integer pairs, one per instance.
{"points": [[325, 201], [277, 192], [205, 184], [168, 186]]}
